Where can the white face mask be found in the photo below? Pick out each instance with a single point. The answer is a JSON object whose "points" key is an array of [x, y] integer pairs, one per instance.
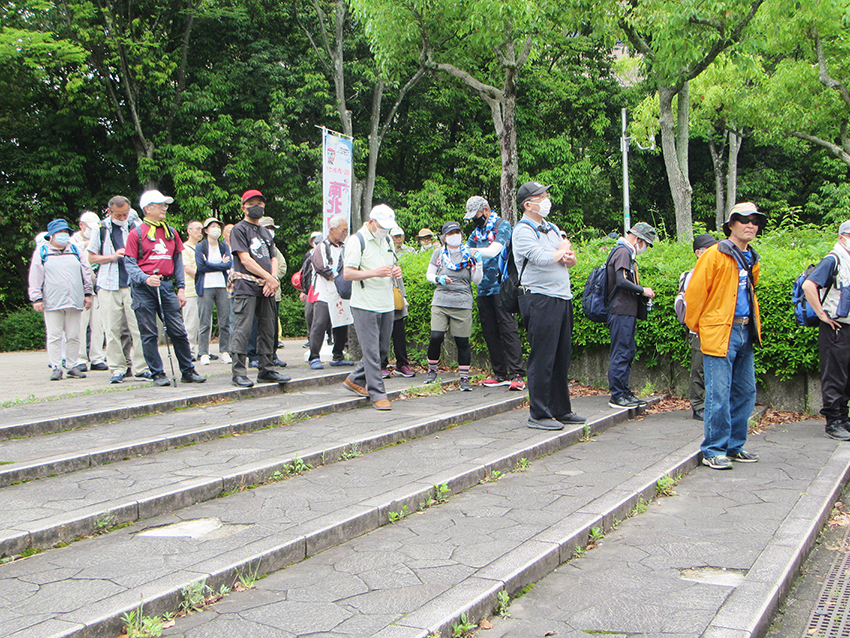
{"points": [[381, 233], [454, 240], [640, 248], [214, 232], [545, 207], [86, 232]]}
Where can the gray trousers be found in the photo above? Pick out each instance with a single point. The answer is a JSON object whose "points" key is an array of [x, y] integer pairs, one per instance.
{"points": [[221, 300], [244, 309], [696, 388], [374, 331]]}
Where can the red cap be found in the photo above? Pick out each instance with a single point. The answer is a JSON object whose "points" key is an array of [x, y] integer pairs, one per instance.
{"points": [[252, 193]]}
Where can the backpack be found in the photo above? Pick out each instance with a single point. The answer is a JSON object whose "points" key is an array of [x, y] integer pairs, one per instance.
{"points": [[509, 278], [44, 254], [594, 299], [804, 314], [679, 303]]}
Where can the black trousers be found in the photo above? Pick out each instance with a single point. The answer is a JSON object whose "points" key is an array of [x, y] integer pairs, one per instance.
{"points": [[834, 350], [549, 322], [501, 335]]}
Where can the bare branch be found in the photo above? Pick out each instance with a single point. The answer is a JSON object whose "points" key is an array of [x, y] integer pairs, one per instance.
{"points": [[413, 81], [309, 35], [638, 42], [835, 149], [823, 72], [485, 90]]}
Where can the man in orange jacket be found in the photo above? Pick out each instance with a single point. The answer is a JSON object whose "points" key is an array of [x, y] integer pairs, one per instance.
{"points": [[723, 310]]}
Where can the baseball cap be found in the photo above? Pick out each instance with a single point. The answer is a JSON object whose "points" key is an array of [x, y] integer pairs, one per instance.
{"points": [[396, 231], [744, 209], [384, 215], [154, 197], [425, 232], [55, 226], [844, 229], [704, 241], [252, 193], [644, 231], [212, 220], [530, 189], [316, 236], [89, 218], [475, 204], [268, 222], [449, 227]]}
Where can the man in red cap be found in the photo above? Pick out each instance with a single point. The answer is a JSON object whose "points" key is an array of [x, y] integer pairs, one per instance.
{"points": [[254, 283]]}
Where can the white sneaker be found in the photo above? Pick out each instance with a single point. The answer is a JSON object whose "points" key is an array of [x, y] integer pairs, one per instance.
{"points": [[205, 359], [224, 357]]}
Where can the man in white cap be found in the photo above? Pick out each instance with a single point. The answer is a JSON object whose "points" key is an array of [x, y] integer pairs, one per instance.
{"points": [[154, 260], [401, 248], [369, 263], [94, 354]]}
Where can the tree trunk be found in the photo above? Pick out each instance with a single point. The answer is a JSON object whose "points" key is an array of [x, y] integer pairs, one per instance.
{"points": [[510, 163], [680, 187], [735, 141], [719, 183]]}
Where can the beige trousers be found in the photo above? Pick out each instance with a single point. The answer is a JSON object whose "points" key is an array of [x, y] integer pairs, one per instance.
{"points": [[115, 307]]}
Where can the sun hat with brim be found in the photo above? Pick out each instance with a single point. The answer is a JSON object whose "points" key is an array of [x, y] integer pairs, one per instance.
{"points": [[425, 232], [644, 231], [844, 229], [396, 231], [89, 218], [268, 222], [744, 209], [56, 226], [154, 197], [212, 220]]}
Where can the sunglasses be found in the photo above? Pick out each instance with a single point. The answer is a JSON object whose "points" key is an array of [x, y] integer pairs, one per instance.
{"points": [[753, 219]]}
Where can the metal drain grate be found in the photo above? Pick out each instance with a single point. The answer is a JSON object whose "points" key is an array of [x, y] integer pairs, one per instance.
{"points": [[831, 617]]}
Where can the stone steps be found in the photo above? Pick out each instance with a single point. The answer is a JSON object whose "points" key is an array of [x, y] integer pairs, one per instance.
{"points": [[85, 588]]}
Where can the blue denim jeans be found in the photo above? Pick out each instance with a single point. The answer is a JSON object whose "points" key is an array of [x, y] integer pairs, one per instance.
{"points": [[730, 395]]}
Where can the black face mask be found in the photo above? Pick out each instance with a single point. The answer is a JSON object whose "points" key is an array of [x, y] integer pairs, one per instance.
{"points": [[255, 212], [479, 221]]}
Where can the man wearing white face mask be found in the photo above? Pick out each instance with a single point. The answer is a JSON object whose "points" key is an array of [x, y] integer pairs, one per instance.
{"points": [[626, 299], [369, 263], [543, 259], [95, 353]]}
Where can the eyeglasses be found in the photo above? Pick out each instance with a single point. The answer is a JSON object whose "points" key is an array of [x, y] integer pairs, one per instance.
{"points": [[162, 206], [746, 220]]}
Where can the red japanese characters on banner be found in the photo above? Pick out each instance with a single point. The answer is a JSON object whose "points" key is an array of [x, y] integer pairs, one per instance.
{"points": [[336, 177]]}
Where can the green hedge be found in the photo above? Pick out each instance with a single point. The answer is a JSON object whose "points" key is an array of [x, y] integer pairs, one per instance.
{"points": [[23, 330]]}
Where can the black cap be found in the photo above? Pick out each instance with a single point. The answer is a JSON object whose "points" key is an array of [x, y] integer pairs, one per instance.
{"points": [[449, 227], [704, 241], [530, 189]]}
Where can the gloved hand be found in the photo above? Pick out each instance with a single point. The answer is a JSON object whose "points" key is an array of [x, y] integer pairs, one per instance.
{"points": [[477, 256], [441, 280]]}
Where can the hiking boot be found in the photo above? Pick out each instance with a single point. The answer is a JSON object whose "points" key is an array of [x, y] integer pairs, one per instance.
{"points": [[636, 399], [495, 380], [56, 374], [464, 385], [622, 402], [718, 462], [430, 377], [743, 457], [76, 373], [517, 384], [838, 430], [545, 424], [405, 371]]}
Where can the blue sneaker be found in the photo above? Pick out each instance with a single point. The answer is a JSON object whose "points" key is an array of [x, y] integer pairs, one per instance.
{"points": [[342, 362], [316, 364]]}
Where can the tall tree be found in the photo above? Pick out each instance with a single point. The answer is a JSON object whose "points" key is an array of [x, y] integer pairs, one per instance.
{"points": [[678, 41]]}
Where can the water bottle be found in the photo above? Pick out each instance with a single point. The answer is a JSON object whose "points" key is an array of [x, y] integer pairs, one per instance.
{"points": [[649, 305]]}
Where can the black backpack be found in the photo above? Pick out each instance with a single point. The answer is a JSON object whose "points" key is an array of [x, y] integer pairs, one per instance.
{"points": [[509, 278]]}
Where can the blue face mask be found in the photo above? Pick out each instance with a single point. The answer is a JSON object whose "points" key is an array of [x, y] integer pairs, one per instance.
{"points": [[63, 239]]}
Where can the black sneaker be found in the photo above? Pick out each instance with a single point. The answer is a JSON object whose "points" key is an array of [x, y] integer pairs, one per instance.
{"points": [[431, 377], [193, 377], [837, 430], [636, 399], [743, 457], [622, 402], [572, 417], [100, 366], [242, 382], [117, 377], [718, 462], [160, 380], [143, 375], [699, 415], [56, 375], [272, 377], [76, 373], [545, 424], [464, 385]]}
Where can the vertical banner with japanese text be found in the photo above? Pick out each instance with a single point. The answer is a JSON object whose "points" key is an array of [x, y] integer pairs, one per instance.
{"points": [[336, 177]]}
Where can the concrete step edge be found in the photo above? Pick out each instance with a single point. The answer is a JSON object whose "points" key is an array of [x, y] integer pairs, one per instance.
{"points": [[322, 533], [69, 526], [140, 408]]}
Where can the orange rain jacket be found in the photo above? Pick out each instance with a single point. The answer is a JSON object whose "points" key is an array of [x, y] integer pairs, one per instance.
{"points": [[711, 296]]}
